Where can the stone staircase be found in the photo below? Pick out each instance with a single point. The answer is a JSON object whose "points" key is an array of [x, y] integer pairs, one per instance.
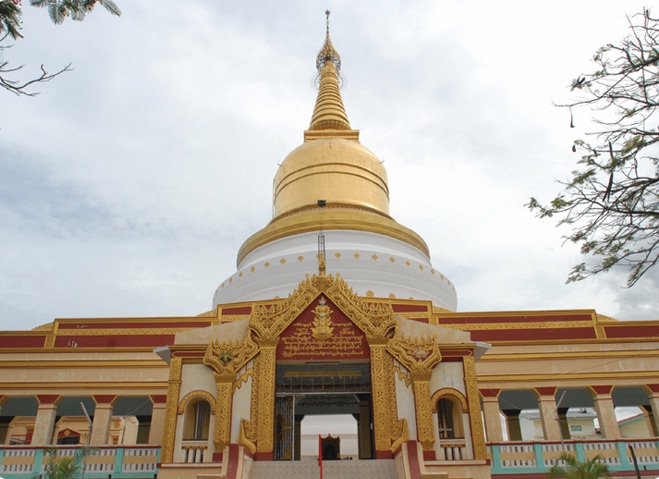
{"points": [[307, 468]]}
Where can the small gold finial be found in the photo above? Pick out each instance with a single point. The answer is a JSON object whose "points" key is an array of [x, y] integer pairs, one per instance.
{"points": [[328, 53]]}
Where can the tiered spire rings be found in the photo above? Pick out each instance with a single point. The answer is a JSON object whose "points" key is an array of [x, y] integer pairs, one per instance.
{"points": [[329, 112]]}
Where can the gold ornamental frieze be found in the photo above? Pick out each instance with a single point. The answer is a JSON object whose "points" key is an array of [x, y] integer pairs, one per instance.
{"points": [[268, 322], [376, 320]]}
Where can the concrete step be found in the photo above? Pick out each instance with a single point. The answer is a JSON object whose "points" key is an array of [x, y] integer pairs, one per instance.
{"points": [[307, 468]]}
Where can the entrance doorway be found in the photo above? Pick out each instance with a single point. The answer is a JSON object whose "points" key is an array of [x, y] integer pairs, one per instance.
{"points": [[339, 432], [323, 393]]}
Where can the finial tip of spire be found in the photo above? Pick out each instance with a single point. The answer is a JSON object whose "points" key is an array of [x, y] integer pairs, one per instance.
{"points": [[328, 52]]}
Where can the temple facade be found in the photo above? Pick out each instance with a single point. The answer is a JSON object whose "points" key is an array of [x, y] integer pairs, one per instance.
{"points": [[335, 309]]}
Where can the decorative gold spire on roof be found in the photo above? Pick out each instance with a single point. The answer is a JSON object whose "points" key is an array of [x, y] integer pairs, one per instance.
{"points": [[328, 53], [329, 114]]}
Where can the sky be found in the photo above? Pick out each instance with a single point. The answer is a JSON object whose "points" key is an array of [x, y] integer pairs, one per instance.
{"points": [[129, 183]]}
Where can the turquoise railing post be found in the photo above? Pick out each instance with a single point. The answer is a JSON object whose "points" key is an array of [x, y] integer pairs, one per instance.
{"points": [[118, 462], [539, 457], [496, 458], [581, 454], [38, 461], [625, 463]]}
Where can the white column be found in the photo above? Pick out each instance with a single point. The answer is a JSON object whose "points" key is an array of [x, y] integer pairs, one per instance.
{"points": [[547, 407], [606, 414], [102, 419], [157, 419], [492, 415], [45, 420]]}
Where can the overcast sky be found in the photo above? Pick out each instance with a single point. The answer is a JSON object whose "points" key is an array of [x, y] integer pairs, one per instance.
{"points": [[128, 185]]}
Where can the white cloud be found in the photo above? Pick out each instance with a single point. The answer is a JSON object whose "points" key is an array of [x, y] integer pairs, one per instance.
{"points": [[130, 183]]}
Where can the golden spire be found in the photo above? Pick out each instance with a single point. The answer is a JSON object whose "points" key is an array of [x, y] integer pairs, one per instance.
{"points": [[329, 112], [328, 53], [331, 164]]}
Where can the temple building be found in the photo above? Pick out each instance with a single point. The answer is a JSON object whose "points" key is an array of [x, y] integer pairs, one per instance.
{"points": [[335, 310]]}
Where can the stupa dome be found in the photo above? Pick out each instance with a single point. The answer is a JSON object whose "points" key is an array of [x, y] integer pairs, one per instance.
{"points": [[337, 170]]}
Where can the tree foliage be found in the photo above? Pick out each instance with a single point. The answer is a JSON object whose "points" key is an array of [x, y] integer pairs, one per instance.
{"points": [[10, 18], [573, 468], [57, 466], [10, 25], [59, 10], [611, 202], [21, 87]]}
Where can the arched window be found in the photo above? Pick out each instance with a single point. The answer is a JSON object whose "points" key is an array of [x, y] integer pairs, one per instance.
{"points": [[202, 412], [197, 420], [449, 418]]}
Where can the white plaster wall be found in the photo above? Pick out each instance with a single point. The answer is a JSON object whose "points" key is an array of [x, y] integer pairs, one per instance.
{"points": [[466, 427], [197, 377], [405, 402], [448, 375], [530, 429], [178, 439], [211, 442], [130, 428], [241, 407], [342, 426], [438, 449], [384, 266]]}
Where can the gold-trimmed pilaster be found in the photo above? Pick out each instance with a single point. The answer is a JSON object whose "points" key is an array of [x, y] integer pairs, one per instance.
{"points": [[265, 416], [173, 392], [382, 375], [222, 436], [423, 407], [475, 416], [419, 355]]}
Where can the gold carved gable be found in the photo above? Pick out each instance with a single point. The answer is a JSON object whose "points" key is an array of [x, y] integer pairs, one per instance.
{"points": [[376, 321], [417, 354], [322, 331], [227, 357]]}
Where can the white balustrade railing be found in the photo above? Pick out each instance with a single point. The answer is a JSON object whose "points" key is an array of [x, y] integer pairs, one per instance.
{"points": [[194, 452]]}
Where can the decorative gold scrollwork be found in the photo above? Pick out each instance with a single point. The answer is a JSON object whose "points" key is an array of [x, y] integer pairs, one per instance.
{"points": [[247, 435], [418, 355], [226, 358]]}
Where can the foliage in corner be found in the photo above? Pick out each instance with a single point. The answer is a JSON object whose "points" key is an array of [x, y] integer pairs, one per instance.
{"points": [[573, 468], [59, 10], [10, 25], [611, 201], [10, 18]]}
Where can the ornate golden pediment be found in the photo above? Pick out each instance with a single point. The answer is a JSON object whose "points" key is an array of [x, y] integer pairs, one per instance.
{"points": [[377, 321]]}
